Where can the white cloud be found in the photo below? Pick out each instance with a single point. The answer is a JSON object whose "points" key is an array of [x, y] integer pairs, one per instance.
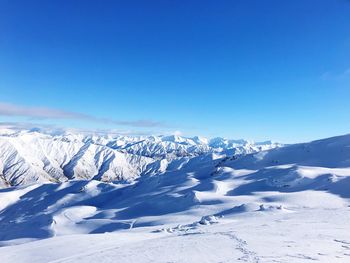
{"points": [[57, 130], [14, 110], [178, 133]]}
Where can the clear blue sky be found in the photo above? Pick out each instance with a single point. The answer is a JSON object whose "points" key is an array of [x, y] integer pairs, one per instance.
{"points": [[241, 69]]}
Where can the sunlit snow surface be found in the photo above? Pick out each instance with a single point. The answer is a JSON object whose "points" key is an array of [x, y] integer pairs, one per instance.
{"points": [[32, 156], [288, 204]]}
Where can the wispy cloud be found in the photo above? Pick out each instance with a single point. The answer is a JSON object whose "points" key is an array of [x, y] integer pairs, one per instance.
{"points": [[58, 130], [14, 110], [9, 109], [26, 125], [329, 75]]}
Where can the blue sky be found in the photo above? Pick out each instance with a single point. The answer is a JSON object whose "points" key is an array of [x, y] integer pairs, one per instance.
{"points": [[241, 69]]}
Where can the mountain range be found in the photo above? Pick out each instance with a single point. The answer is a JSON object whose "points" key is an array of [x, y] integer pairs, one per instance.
{"points": [[31, 156], [82, 198]]}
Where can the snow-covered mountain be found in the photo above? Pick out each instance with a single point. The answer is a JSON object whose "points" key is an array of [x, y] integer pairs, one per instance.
{"points": [[286, 204], [33, 156]]}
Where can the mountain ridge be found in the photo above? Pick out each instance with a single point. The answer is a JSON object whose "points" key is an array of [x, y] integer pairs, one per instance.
{"points": [[30, 156]]}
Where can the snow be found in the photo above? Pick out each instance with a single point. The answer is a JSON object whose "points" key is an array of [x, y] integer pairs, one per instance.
{"points": [[36, 157], [284, 204], [278, 237]]}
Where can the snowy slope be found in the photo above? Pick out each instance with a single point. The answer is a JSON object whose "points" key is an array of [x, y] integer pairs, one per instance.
{"points": [[32, 156], [288, 204]]}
